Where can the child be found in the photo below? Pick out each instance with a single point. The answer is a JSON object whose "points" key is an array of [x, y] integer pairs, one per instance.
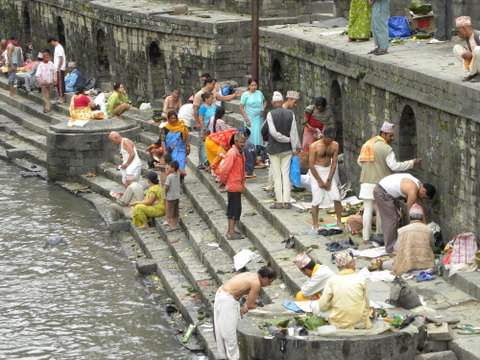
{"points": [[202, 155], [172, 191], [216, 123]]}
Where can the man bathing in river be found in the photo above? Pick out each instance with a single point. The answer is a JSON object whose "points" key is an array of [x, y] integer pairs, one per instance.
{"points": [[322, 162], [227, 308]]}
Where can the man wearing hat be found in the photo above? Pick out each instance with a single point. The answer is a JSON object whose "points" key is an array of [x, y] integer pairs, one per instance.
{"points": [[345, 296], [281, 131], [414, 244], [468, 55], [318, 275], [377, 160]]}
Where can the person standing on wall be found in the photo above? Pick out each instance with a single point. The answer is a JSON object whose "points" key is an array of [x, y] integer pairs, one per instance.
{"points": [[60, 62], [442, 9], [377, 160], [380, 15]]}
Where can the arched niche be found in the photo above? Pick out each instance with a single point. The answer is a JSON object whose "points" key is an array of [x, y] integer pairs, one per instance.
{"points": [[407, 134], [61, 32], [336, 105], [27, 25], [102, 54], [156, 72]]}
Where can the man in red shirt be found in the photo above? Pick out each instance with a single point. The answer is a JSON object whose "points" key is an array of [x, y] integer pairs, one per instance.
{"points": [[233, 176]]}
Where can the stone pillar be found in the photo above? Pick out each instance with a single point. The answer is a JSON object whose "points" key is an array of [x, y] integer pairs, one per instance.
{"points": [[73, 151]]}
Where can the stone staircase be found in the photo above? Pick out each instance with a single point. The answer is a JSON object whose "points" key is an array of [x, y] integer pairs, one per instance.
{"points": [[192, 263]]}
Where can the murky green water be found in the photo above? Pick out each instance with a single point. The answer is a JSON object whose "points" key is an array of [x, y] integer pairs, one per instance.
{"points": [[82, 300]]}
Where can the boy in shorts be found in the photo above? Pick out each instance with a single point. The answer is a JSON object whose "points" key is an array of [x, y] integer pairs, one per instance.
{"points": [[172, 191]]}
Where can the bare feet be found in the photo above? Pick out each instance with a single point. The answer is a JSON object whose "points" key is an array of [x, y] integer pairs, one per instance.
{"points": [[143, 227]]}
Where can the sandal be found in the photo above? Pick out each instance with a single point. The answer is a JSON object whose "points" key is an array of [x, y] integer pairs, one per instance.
{"points": [[277, 206], [425, 276], [235, 236]]}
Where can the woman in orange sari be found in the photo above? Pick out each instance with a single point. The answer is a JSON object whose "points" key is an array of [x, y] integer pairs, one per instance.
{"points": [[216, 146]]}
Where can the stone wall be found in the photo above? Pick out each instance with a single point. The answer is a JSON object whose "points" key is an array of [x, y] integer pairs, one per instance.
{"points": [[152, 53], [432, 119]]}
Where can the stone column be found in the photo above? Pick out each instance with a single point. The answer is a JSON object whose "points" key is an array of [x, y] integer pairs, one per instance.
{"points": [[73, 151]]}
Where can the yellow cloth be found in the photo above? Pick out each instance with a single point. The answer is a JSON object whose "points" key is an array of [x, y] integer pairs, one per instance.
{"points": [[212, 150], [141, 212], [345, 295], [84, 113], [366, 153], [178, 127]]}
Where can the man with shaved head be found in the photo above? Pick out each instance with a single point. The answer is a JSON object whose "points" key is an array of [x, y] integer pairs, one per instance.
{"points": [[131, 166]]}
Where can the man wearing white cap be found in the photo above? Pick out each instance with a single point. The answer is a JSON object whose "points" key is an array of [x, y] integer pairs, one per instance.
{"points": [[377, 160], [345, 296], [414, 244], [318, 275], [281, 130], [469, 55]]}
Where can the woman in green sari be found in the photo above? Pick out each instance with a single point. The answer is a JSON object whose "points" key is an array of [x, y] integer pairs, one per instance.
{"points": [[153, 204], [359, 20]]}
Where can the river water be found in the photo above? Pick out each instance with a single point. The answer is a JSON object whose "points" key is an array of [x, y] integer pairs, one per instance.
{"points": [[82, 300]]}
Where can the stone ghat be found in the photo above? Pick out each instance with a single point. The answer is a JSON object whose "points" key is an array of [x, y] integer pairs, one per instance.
{"points": [[416, 86], [194, 262]]}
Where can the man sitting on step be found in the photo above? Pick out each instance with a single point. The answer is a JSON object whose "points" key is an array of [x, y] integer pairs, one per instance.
{"points": [[318, 275], [468, 55], [120, 208]]}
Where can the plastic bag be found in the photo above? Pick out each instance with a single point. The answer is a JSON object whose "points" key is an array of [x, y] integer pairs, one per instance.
{"points": [[295, 173], [398, 27]]}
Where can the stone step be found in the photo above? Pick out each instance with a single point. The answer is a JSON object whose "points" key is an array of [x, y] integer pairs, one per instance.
{"points": [[30, 122], [25, 150], [264, 238], [176, 285], [33, 138], [323, 7]]}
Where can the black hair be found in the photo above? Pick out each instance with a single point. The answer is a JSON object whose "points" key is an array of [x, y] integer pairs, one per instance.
{"points": [[309, 266], [320, 101], [79, 89], [329, 132], [431, 191], [171, 113], [205, 75], [252, 80], [46, 51], [267, 272], [206, 95], [245, 131], [206, 131], [51, 38], [116, 85], [153, 177], [208, 81], [174, 165], [219, 112]]}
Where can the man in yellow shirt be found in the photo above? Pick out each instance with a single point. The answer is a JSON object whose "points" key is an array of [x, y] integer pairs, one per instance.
{"points": [[345, 295], [318, 275]]}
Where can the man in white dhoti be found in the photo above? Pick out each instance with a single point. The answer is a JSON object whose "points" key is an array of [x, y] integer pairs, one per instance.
{"points": [[227, 310], [468, 55], [131, 164], [322, 162]]}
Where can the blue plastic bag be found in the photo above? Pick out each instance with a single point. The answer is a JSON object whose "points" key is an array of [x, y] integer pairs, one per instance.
{"points": [[295, 173], [398, 27], [227, 90]]}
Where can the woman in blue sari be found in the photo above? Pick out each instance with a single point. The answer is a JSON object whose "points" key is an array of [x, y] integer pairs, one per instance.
{"points": [[176, 140], [252, 106]]}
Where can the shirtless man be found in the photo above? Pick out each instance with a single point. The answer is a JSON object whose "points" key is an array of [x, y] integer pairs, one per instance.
{"points": [[387, 191], [131, 167], [322, 162], [227, 308]]}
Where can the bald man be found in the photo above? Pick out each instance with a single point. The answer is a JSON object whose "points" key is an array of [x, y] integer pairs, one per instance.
{"points": [[131, 166]]}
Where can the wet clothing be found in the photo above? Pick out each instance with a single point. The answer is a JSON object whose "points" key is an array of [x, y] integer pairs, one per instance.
{"points": [[226, 316], [132, 171], [345, 295], [141, 213]]}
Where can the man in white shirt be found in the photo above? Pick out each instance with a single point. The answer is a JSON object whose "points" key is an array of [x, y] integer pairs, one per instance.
{"points": [[391, 189], [60, 62], [45, 76]]}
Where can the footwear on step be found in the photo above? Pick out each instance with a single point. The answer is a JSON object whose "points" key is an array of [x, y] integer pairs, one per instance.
{"points": [[235, 236], [373, 51], [251, 176], [381, 52], [276, 206], [436, 41]]}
